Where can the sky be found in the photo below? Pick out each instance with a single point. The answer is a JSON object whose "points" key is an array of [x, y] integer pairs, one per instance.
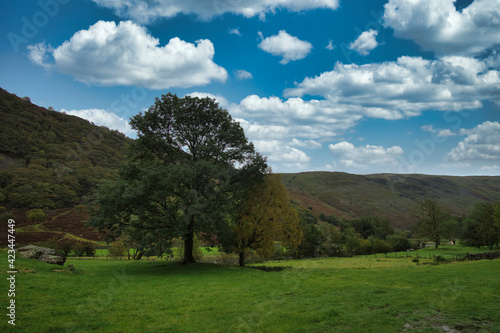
{"points": [[358, 86]]}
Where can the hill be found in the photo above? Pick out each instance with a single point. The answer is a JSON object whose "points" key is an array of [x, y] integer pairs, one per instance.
{"points": [[52, 160], [392, 196]]}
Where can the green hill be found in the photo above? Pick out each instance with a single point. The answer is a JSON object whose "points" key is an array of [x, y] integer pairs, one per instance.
{"points": [[392, 196], [51, 160]]}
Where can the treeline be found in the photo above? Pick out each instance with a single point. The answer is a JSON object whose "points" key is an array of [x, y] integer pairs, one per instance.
{"points": [[331, 236], [51, 160]]}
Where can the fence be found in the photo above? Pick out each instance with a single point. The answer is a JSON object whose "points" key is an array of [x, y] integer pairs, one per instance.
{"points": [[483, 255]]}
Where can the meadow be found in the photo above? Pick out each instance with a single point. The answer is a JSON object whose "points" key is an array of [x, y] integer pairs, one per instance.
{"points": [[363, 294]]}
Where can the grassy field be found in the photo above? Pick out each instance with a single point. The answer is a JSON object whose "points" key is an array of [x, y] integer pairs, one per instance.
{"points": [[318, 295]]}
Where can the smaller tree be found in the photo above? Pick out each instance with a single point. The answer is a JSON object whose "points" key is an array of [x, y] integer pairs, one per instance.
{"points": [[433, 222], [264, 215]]}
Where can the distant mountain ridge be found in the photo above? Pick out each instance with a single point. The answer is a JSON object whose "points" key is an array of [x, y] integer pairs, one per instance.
{"points": [[392, 196]]}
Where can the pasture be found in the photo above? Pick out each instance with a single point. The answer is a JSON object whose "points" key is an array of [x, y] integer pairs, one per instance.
{"points": [[364, 294]]}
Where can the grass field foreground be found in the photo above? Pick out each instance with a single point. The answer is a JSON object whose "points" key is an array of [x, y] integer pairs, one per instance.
{"points": [[317, 295]]}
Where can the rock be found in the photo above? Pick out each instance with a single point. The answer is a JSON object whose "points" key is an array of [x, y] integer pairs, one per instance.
{"points": [[47, 255]]}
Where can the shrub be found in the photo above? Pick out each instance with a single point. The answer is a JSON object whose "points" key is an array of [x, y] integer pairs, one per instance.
{"points": [[35, 214], [79, 249], [117, 248], [65, 245], [89, 249], [381, 246]]}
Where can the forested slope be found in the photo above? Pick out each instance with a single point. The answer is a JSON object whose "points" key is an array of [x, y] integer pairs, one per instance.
{"points": [[52, 160]]}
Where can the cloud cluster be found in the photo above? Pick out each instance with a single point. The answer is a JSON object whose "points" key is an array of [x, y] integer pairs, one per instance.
{"points": [[481, 144], [349, 156], [392, 90], [102, 117], [287, 46], [437, 26], [366, 42], [146, 11], [126, 54]]}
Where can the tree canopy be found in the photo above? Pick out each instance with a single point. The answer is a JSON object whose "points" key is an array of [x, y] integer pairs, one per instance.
{"points": [[185, 172]]}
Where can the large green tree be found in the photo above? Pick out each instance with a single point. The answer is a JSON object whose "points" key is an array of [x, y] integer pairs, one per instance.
{"points": [[185, 171]]}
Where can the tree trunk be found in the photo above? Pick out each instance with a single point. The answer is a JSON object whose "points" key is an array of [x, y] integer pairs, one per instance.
{"points": [[242, 259], [188, 249]]}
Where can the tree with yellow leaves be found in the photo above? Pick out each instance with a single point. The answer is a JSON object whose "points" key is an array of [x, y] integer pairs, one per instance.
{"points": [[264, 216]]}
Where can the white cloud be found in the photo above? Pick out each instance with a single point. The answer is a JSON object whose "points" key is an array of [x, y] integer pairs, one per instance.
{"points": [[102, 117], [308, 144], [289, 47], [493, 167], [235, 31], [365, 43], [242, 74], [364, 157], [126, 54], [437, 26], [440, 133], [330, 45], [481, 144], [392, 90], [221, 100], [38, 54], [145, 11]]}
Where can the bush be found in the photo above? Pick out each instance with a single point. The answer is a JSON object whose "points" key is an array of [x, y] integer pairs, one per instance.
{"points": [[381, 246], [117, 248], [79, 249], [399, 243], [89, 249], [65, 245], [35, 214]]}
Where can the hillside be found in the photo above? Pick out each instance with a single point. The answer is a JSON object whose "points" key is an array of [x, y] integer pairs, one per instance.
{"points": [[388, 195], [51, 160]]}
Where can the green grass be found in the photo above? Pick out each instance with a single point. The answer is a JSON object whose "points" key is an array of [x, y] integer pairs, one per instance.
{"points": [[319, 295]]}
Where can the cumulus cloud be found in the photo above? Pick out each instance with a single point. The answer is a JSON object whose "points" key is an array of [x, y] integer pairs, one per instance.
{"points": [[126, 54], [481, 144], [436, 25], [145, 11], [242, 74], [102, 117], [392, 90], [350, 156], [365, 43], [290, 48], [221, 100]]}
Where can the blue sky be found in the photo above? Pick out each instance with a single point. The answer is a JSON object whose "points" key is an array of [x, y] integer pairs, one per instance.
{"points": [[360, 86]]}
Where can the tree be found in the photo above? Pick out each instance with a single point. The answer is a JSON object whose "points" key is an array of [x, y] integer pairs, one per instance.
{"points": [[433, 221], [497, 215], [481, 229], [264, 215], [183, 173]]}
